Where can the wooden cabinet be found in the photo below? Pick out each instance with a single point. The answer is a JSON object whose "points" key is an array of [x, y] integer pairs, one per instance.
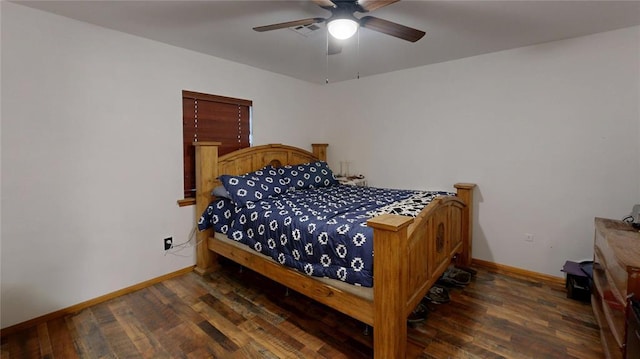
{"points": [[616, 276], [633, 329]]}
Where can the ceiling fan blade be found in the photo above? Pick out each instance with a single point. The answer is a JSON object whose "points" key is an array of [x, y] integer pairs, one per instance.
{"points": [[284, 25], [370, 5], [325, 3], [391, 28], [334, 46]]}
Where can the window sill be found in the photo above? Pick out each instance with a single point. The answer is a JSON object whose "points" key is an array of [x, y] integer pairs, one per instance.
{"points": [[186, 202]]}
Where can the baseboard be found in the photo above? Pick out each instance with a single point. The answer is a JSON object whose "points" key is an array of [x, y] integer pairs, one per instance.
{"points": [[80, 306], [518, 271]]}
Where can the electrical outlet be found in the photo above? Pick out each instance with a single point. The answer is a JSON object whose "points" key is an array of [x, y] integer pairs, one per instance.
{"points": [[168, 243], [528, 237]]}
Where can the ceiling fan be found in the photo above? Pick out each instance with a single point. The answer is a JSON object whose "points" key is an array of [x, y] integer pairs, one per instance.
{"points": [[342, 23]]}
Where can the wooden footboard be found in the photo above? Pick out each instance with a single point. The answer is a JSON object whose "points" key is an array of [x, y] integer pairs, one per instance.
{"points": [[410, 253]]}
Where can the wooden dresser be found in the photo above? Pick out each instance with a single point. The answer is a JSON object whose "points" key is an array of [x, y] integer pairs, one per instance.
{"points": [[616, 275]]}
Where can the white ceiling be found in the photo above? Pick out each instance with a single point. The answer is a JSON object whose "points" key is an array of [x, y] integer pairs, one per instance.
{"points": [[455, 29]]}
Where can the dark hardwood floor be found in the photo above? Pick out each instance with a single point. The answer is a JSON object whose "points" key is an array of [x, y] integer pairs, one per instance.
{"points": [[234, 314]]}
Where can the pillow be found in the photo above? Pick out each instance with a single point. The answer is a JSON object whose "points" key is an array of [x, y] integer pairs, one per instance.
{"points": [[308, 175], [221, 192], [253, 186]]}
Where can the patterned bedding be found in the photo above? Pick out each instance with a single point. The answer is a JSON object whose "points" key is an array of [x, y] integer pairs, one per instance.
{"points": [[319, 231]]}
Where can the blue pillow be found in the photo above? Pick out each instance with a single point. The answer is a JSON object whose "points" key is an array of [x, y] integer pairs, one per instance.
{"points": [[253, 186], [308, 175]]}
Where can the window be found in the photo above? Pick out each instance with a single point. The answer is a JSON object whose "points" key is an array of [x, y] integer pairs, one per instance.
{"points": [[212, 118]]}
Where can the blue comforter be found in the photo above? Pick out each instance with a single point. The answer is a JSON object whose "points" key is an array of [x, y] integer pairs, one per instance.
{"points": [[321, 232]]}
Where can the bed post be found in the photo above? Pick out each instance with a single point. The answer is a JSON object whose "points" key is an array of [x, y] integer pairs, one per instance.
{"points": [[206, 173], [389, 285], [320, 151], [465, 193]]}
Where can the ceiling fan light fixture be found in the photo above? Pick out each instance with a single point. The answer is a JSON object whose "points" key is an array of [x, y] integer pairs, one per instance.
{"points": [[342, 28]]}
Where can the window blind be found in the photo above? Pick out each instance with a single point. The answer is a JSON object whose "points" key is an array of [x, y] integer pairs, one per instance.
{"points": [[212, 118]]}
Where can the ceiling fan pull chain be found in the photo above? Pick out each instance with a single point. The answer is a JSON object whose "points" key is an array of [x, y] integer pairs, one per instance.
{"points": [[327, 60], [358, 56]]}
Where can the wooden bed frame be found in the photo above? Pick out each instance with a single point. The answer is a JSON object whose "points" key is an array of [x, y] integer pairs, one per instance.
{"points": [[411, 253]]}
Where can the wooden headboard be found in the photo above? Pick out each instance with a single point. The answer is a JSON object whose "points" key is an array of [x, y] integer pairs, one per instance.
{"points": [[248, 160], [254, 158], [209, 167]]}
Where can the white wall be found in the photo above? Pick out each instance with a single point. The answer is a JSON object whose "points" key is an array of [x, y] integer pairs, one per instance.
{"points": [[92, 154], [638, 111], [548, 132]]}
